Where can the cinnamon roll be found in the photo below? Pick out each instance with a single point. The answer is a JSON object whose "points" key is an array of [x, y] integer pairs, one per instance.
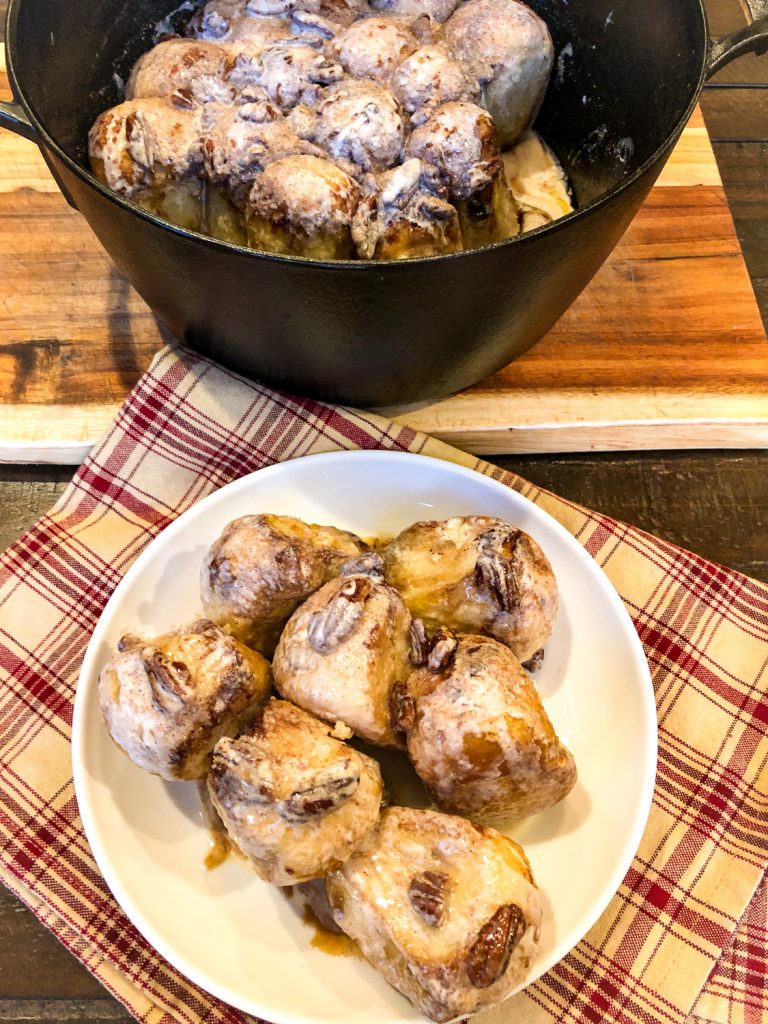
{"points": [[341, 653], [446, 910], [360, 122], [373, 47], [429, 78], [148, 150], [237, 146], [262, 567], [186, 72], [294, 799], [399, 218], [303, 206], [507, 47], [460, 144], [476, 574], [168, 700], [478, 734]]}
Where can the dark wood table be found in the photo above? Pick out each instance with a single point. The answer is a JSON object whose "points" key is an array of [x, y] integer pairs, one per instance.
{"points": [[712, 502]]}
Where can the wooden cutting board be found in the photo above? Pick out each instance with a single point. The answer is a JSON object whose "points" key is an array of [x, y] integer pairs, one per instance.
{"points": [[665, 349]]}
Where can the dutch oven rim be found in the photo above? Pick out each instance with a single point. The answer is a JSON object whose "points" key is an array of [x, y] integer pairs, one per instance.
{"points": [[359, 266]]}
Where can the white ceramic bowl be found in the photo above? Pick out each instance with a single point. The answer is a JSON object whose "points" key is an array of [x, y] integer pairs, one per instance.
{"points": [[241, 939]]}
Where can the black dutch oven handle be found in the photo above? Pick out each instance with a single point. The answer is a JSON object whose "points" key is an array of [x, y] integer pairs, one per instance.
{"points": [[14, 117], [753, 38]]}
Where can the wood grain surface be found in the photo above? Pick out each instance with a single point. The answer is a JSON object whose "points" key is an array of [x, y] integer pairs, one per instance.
{"points": [[712, 502], [665, 348]]}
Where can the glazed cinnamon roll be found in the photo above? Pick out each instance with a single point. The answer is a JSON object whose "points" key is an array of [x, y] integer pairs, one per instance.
{"points": [[399, 218], [186, 72], [341, 653], [292, 74], [303, 206], [476, 574], [293, 798], [237, 21], [373, 47], [447, 911], [168, 700], [460, 144], [148, 150], [262, 567], [507, 47], [237, 146], [429, 78], [478, 734], [436, 11], [360, 122]]}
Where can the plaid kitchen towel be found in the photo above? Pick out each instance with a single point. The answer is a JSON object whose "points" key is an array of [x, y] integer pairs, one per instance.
{"points": [[685, 935]]}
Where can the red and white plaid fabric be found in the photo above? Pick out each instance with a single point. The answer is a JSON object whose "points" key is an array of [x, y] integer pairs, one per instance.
{"points": [[686, 934]]}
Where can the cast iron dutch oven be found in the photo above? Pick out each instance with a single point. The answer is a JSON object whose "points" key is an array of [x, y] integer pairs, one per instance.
{"points": [[627, 77]]}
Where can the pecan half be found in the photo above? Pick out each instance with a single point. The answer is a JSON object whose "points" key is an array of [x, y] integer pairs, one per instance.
{"points": [[369, 563], [182, 97], [168, 680], [535, 661], [129, 641], [327, 794], [442, 650], [330, 626], [402, 709], [427, 893], [494, 570], [204, 627], [489, 955], [419, 651], [220, 574]]}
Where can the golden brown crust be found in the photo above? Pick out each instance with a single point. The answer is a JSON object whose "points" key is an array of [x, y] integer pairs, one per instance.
{"points": [[479, 737], [145, 143], [476, 574], [295, 800], [446, 910], [168, 700]]}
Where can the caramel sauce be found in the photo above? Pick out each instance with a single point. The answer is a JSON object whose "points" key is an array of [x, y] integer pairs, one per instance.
{"points": [[219, 849], [219, 844], [332, 943]]}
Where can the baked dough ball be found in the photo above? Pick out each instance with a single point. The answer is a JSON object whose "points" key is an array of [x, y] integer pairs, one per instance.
{"points": [[188, 72], [429, 78], [478, 734], [435, 10], [459, 142], [342, 652], [360, 121], [263, 566], [476, 574], [295, 800], [508, 49], [233, 21], [148, 150], [373, 47], [446, 910], [303, 206], [167, 701], [399, 218]]}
